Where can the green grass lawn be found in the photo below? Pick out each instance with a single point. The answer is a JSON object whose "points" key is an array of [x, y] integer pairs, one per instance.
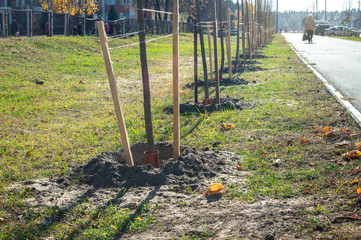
{"points": [[351, 38], [48, 128]]}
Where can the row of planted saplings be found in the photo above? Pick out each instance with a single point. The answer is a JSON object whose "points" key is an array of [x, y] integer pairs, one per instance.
{"points": [[255, 39]]}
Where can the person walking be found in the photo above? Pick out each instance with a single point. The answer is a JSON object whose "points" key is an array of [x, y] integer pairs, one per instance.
{"points": [[14, 29], [310, 26], [107, 27]]}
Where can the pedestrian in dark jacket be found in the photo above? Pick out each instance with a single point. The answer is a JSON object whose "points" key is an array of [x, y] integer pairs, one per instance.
{"points": [[14, 27], [310, 26]]}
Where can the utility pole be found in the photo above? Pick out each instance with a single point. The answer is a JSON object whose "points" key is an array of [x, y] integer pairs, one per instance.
{"points": [[325, 10], [316, 9], [359, 14], [313, 9], [277, 17]]}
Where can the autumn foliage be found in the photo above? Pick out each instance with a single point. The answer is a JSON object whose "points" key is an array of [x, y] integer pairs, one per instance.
{"points": [[88, 7]]}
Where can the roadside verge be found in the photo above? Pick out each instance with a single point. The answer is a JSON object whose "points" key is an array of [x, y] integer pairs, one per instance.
{"points": [[356, 115]]}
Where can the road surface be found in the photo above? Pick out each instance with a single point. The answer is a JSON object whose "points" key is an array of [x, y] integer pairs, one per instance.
{"points": [[337, 60]]}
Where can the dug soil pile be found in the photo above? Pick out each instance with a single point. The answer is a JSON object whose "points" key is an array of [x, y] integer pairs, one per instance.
{"points": [[193, 167], [194, 171], [225, 103], [224, 82]]}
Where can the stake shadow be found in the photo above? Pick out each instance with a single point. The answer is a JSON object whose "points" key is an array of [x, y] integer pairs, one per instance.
{"points": [[60, 215]]}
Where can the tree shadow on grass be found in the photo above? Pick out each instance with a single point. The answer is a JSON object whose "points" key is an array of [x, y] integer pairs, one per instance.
{"points": [[58, 216]]}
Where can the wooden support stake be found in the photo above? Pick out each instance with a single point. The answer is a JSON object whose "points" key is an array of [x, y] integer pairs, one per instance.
{"points": [[238, 27], [51, 23], [254, 38], [243, 35], [226, 40], [195, 60], [176, 121], [210, 54], [30, 23], [214, 16], [229, 44], [66, 26], [4, 22], [145, 78], [115, 95], [83, 24]]}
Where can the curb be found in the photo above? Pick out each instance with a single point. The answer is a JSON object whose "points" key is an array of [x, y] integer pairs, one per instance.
{"points": [[356, 115]]}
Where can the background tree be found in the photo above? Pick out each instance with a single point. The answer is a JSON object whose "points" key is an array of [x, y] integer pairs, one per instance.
{"points": [[88, 7], [112, 14], [347, 13]]}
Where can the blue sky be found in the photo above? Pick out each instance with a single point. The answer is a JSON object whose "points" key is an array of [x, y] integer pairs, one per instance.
{"points": [[302, 5]]}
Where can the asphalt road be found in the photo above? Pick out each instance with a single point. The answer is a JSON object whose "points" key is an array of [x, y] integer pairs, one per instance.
{"points": [[337, 60]]}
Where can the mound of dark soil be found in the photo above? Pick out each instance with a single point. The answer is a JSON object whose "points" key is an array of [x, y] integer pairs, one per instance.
{"points": [[258, 55], [226, 103], [109, 169], [224, 82], [241, 69]]}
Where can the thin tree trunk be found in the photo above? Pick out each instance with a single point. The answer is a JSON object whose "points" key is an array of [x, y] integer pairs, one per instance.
{"points": [[195, 60], [204, 60], [166, 9], [145, 78], [243, 36], [214, 18], [237, 50], [221, 35], [248, 32]]}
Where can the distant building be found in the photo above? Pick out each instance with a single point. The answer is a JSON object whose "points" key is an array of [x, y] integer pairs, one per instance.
{"points": [[21, 4], [123, 8]]}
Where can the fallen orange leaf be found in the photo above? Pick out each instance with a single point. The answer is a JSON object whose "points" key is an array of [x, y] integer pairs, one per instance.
{"points": [[240, 168], [354, 154], [348, 131], [354, 181], [214, 188], [327, 129], [304, 140], [264, 153], [227, 126], [340, 164], [28, 152], [306, 192], [359, 190], [330, 133]]}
